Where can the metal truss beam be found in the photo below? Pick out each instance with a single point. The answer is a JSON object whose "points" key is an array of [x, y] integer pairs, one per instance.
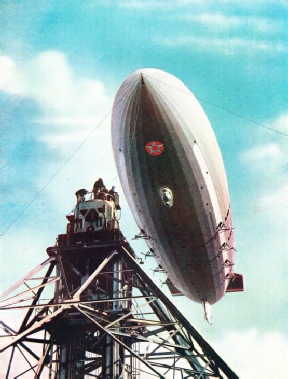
{"points": [[106, 318]]}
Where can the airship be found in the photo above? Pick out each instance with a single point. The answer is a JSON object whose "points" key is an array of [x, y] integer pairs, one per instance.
{"points": [[173, 176]]}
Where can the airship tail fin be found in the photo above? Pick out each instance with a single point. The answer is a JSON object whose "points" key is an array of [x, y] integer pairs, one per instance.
{"points": [[174, 291], [235, 284], [207, 311]]}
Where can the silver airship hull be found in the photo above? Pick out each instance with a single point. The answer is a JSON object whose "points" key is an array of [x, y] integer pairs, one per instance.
{"points": [[173, 176]]}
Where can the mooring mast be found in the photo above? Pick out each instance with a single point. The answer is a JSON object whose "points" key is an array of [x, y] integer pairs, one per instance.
{"points": [[96, 314]]}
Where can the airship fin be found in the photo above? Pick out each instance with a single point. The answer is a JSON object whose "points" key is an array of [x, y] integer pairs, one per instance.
{"points": [[207, 312], [174, 291], [236, 283]]}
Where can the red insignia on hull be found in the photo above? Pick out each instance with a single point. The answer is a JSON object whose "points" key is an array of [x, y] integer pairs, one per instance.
{"points": [[154, 148]]}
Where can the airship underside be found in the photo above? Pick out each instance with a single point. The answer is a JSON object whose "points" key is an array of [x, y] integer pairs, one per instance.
{"points": [[173, 176]]}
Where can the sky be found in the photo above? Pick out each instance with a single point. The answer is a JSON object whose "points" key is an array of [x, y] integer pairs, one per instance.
{"points": [[61, 64]]}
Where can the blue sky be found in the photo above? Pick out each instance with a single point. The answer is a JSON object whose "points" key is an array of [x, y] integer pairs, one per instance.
{"points": [[61, 64]]}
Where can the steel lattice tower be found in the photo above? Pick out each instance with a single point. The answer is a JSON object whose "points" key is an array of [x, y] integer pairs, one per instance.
{"points": [[106, 319]]}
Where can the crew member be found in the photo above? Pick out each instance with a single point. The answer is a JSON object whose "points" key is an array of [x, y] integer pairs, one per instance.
{"points": [[98, 187], [80, 194], [112, 192]]}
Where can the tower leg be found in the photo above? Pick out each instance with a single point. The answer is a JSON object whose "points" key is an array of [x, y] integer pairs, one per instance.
{"points": [[106, 319]]}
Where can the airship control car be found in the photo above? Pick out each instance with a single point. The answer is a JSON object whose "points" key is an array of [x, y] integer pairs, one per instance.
{"points": [[173, 176]]}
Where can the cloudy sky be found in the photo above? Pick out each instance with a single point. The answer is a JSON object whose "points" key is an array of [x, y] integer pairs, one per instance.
{"points": [[61, 64]]}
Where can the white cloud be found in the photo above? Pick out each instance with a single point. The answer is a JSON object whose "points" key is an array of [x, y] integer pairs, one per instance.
{"points": [[267, 164], [70, 121], [50, 81], [74, 124], [223, 32], [73, 108], [254, 354], [277, 199], [265, 159], [226, 21], [163, 4], [154, 5], [281, 123], [10, 80], [227, 46]]}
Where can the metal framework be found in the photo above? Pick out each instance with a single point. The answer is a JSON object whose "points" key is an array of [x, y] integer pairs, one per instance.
{"points": [[95, 313]]}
